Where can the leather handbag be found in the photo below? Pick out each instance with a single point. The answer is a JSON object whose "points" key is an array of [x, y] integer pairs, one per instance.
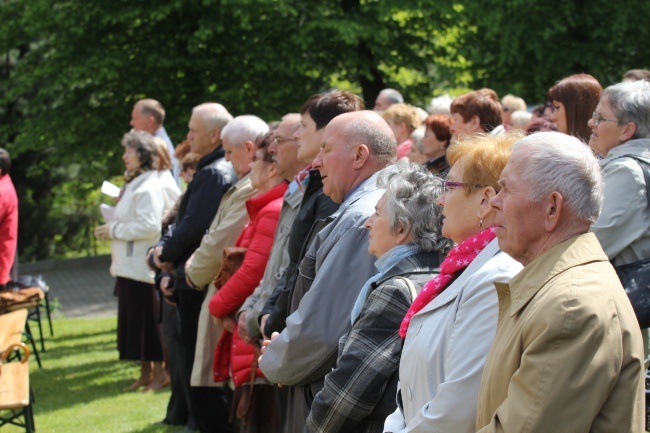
{"points": [[635, 277]]}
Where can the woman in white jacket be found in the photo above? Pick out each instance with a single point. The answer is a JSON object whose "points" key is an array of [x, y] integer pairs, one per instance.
{"points": [[450, 326], [135, 227]]}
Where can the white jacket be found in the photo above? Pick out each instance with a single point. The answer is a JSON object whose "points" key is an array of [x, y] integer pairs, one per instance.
{"points": [[170, 189], [136, 227], [446, 347]]}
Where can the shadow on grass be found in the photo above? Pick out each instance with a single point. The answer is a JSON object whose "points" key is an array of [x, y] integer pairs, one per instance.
{"points": [[62, 387]]}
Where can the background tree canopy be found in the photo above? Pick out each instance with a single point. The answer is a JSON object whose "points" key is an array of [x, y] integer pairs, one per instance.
{"points": [[71, 70]]}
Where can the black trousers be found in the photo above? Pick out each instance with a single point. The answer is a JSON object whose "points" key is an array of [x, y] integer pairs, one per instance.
{"points": [[210, 406], [178, 408]]}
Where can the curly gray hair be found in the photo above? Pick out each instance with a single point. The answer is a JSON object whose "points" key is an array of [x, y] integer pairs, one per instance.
{"points": [[411, 194]]}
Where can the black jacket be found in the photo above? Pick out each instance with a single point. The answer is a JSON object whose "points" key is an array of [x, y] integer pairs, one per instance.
{"points": [[197, 209], [315, 206]]}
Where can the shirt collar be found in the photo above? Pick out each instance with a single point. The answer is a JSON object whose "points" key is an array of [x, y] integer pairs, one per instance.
{"points": [[574, 251]]}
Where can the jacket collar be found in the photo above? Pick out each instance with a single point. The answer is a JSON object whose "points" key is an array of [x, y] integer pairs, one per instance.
{"points": [[135, 183], [573, 252], [416, 264], [639, 147], [364, 188], [294, 198], [211, 157], [454, 288], [256, 204]]}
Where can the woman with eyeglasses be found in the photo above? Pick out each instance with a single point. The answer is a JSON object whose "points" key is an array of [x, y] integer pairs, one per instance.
{"points": [[574, 99], [620, 133], [449, 328]]}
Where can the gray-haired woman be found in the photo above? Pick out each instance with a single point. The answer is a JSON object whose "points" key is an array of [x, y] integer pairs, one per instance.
{"points": [[405, 237], [620, 133], [135, 227]]}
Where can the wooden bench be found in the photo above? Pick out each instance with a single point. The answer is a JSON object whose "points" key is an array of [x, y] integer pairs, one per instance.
{"points": [[14, 389], [11, 328]]}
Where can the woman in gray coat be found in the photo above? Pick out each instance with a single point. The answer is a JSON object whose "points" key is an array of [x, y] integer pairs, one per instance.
{"points": [[620, 133], [405, 236]]}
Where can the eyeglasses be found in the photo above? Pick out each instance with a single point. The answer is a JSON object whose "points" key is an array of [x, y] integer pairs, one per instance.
{"points": [[447, 186], [597, 118], [279, 140]]}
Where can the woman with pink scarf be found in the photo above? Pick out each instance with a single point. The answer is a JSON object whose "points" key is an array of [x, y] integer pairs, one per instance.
{"points": [[449, 328]]}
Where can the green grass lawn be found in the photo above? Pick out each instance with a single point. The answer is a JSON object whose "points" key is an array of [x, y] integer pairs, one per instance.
{"points": [[80, 387]]}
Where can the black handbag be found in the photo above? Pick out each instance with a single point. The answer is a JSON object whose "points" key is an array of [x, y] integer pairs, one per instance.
{"points": [[635, 277]]}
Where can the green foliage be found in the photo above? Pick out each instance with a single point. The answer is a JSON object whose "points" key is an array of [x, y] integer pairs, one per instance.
{"points": [[525, 46]]}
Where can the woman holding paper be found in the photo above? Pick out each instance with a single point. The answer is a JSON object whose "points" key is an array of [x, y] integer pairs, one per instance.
{"points": [[135, 227]]}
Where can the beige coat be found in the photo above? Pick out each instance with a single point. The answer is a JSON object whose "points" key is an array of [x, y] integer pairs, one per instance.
{"points": [[224, 230], [568, 354]]}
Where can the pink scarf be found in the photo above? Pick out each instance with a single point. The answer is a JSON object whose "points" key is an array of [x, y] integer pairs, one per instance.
{"points": [[458, 258]]}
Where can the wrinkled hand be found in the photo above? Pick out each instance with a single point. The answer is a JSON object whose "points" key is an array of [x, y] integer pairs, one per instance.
{"points": [[164, 266], [229, 323], [103, 232], [166, 290], [188, 280], [263, 325], [265, 344], [243, 329]]}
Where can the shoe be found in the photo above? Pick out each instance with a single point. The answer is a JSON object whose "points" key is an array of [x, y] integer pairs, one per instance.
{"points": [[156, 385]]}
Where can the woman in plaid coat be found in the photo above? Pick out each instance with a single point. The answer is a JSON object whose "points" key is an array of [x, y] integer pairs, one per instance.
{"points": [[405, 235]]}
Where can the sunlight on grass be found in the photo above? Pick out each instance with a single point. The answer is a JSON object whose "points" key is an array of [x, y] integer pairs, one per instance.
{"points": [[80, 387]]}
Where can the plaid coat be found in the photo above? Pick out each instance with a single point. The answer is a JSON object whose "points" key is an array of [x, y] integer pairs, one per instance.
{"points": [[360, 392]]}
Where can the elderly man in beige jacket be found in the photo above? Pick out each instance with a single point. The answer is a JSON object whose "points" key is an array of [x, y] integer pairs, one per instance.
{"points": [[568, 354]]}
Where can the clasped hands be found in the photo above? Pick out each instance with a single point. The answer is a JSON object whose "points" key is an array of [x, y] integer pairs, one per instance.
{"points": [[103, 232]]}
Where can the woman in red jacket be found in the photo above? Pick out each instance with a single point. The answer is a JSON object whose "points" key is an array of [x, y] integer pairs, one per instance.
{"points": [[234, 358]]}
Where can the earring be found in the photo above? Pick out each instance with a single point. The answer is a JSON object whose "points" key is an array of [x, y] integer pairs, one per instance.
{"points": [[480, 222]]}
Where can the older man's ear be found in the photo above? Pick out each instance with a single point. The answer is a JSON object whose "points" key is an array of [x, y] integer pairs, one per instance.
{"points": [[554, 211], [361, 156]]}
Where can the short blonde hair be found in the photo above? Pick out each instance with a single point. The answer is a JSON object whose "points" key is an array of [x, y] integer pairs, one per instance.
{"points": [[513, 103], [485, 157], [403, 113]]}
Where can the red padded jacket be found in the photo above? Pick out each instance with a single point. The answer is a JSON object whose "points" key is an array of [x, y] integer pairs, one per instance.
{"points": [[232, 354]]}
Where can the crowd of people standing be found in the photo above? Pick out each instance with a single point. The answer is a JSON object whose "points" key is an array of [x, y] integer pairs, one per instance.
{"points": [[394, 270]]}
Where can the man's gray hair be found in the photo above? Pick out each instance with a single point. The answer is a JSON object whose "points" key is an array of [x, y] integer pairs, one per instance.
{"points": [[383, 147], [630, 102], [214, 115], [563, 163], [244, 128], [411, 202], [393, 96]]}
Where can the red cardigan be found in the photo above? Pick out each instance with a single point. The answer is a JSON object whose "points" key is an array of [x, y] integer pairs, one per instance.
{"points": [[8, 226], [232, 354]]}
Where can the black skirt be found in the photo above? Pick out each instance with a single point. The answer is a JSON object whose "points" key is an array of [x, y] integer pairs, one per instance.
{"points": [[139, 337]]}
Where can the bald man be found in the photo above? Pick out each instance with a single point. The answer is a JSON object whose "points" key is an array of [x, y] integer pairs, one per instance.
{"points": [[355, 147]]}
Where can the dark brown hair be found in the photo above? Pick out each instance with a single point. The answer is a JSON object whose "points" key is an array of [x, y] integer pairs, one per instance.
{"points": [[579, 94], [323, 107]]}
